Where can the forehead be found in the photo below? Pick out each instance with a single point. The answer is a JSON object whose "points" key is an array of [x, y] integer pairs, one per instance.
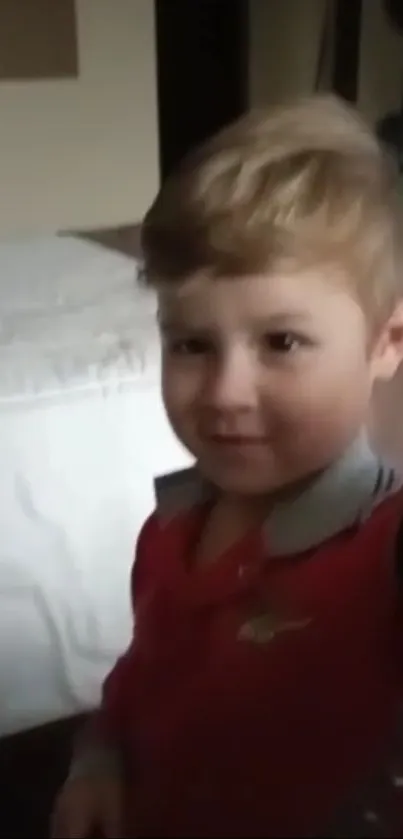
{"points": [[304, 295]]}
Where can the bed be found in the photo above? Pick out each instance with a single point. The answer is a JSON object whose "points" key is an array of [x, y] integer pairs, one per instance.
{"points": [[82, 435]]}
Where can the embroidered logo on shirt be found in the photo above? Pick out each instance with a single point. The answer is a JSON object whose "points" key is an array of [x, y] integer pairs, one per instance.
{"points": [[265, 626]]}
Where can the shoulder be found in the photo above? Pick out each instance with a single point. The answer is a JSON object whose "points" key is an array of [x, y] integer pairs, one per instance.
{"points": [[388, 485], [381, 523], [146, 545], [176, 494], [382, 519], [387, 497], [385, 503], [141, 565]]}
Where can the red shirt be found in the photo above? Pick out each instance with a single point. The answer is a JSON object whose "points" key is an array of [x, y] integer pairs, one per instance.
{"points": [[261, 695]]}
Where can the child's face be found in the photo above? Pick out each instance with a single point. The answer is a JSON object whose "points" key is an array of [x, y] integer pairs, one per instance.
{"points": [[268, 379]]}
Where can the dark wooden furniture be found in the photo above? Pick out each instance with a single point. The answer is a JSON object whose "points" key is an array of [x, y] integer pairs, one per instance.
{"points": [[33, 765]]}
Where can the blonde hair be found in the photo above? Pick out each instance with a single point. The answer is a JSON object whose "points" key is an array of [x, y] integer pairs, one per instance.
{"points": [[305, 184]]}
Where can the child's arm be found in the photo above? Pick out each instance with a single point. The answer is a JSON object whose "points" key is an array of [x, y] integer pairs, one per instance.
{"points": [[98, 747], [92, 797], [93, 794]]}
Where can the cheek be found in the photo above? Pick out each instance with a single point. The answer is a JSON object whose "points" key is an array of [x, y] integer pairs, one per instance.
{"points": [[329, 396], [178, 391]]}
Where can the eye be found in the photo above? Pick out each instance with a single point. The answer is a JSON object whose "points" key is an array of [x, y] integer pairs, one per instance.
{"points": [[189, 346], [283, 342]]}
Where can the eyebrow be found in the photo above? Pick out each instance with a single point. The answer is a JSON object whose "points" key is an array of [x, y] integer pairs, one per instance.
{"points": [[168, 323], [174, 320], [280, 320], [170, 326]]}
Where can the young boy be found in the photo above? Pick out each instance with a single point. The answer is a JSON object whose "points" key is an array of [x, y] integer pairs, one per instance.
{"points": [[262, 692]]}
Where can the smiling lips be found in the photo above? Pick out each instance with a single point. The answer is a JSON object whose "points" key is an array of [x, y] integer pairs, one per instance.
{"points": [[237, 440]]}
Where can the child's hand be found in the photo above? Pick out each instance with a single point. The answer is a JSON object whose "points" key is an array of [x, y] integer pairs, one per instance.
{"points": [[87, 805]]}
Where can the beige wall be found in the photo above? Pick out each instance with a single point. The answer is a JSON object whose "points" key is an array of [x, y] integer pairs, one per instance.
{"points": [[284, 43], [80, 154], [285, 38]]}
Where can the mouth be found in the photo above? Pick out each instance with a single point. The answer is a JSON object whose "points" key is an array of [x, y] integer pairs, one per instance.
{"points": [[237, 440]]}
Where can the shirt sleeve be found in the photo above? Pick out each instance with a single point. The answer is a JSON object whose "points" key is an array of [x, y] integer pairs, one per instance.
{"points": [[98, 747]]}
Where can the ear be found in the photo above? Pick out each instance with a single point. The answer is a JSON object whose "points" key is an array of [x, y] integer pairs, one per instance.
{"points": [[387, 354]]}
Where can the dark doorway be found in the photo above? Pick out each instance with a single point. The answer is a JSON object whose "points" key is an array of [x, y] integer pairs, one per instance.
{"points": [[347, 40], [202, 66]]}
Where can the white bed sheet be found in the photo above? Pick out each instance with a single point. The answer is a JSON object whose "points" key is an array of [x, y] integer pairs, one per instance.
{"points": [[82, 436]]}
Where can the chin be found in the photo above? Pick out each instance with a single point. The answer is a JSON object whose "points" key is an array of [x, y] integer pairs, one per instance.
{"points": [[241, 481]]}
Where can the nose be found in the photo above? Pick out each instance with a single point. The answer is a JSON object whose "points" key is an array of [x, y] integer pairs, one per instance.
{"points": [[232, 382]]}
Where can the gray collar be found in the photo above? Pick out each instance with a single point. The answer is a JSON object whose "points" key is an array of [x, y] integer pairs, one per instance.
{"points": [[342, 496]]}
